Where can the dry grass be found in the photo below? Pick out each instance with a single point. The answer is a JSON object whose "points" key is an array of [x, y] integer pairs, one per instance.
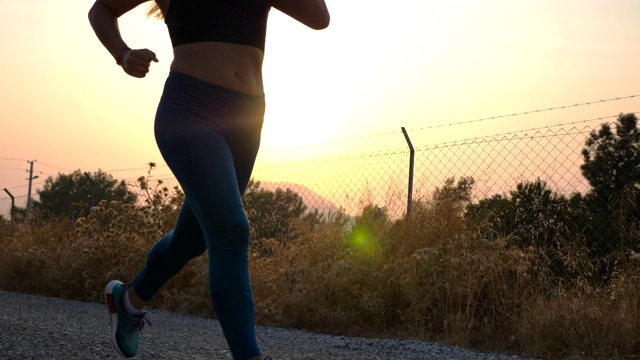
{"points": [[426, 278]]}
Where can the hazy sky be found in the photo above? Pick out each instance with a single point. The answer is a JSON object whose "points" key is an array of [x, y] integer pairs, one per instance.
{"points": [[379, 66]]}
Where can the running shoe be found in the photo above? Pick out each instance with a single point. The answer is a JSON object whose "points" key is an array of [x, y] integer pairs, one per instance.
{"points": [[125, 327]]}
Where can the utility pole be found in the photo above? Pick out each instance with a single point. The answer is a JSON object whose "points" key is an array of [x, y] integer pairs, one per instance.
{"points": [[31, 178]]}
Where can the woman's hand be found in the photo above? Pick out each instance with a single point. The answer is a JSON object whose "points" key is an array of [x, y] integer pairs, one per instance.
{"points": [[103, 17], [137, 62]]}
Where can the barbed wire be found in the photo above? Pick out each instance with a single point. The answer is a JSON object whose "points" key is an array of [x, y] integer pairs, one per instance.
{"points": [[494, 136], [386, 152], [151, 177], [15, 197], [444, 144], [161, 176], [587, 103], [136, 168], [395, 132], [129, 169], [529, 112]]}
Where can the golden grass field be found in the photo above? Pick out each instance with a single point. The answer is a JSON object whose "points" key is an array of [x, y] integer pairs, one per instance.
{"points": [[428, 278]]}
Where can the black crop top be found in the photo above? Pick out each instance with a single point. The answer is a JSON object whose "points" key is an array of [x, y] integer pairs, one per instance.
{"points": [[232, 21]]}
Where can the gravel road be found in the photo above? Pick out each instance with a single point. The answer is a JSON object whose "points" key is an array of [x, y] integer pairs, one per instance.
{"points": [[35, 327]]}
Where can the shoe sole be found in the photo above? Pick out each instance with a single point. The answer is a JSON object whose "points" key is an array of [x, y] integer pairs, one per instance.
{"points": [[111, 307]]}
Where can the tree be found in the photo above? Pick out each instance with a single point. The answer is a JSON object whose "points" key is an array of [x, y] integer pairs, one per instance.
{"points": [[452, 192], [533, 215], [612, 161], [612, 168], [540, 215], [452, 198], [492, 218], [74, 194], [270, 212], [547, 225]]}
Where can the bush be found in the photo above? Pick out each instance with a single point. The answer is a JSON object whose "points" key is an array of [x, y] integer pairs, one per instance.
{"points": [[433, 275]]}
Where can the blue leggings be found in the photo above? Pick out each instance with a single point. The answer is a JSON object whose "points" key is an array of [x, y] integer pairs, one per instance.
{"points": [[209, 137]]}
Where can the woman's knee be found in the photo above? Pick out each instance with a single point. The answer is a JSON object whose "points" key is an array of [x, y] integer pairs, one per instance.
{"points": [[231, 235]]}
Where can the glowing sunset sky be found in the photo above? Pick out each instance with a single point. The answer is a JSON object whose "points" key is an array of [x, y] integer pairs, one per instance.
{"points": [[379, 66]]}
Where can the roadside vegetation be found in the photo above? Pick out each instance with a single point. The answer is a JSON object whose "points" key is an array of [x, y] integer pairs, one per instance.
{"points": [[531, 271]]}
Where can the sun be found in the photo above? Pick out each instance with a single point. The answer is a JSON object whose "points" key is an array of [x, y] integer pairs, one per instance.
{"points": [[293, 131], [296, 120]]}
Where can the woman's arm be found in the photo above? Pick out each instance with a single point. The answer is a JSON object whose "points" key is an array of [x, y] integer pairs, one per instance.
{"points": [[103, 17], [313, 13]]}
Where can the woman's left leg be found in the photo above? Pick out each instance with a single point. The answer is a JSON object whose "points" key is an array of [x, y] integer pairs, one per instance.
{"points": [[207, 173]]}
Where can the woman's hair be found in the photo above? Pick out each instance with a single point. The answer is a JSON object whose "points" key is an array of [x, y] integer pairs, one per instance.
{"points": [[155, 10]]}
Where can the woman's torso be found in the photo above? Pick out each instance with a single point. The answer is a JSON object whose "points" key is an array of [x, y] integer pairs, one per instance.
{"points": [[228, 64]]}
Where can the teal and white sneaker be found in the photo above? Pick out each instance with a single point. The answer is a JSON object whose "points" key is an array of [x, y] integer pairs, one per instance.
{"points": [[125, 327]]}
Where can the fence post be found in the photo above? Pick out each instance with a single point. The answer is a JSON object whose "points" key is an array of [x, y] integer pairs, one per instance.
{"points": [[12, 211], [411, 160]]}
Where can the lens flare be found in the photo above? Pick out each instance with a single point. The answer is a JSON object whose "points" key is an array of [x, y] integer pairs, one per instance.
{"points": [[362, 239]]}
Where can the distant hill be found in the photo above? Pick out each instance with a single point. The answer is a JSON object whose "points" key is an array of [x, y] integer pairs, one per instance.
{"points": [[311, 199]]}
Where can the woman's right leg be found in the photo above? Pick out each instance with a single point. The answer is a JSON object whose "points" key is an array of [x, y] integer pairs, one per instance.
{"points": [[167, 257], [170, 254]]}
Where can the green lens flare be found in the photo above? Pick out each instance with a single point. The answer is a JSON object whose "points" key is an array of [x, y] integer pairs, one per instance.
{"points": [[362, 239]]}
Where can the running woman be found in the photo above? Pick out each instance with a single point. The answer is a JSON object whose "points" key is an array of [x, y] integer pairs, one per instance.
{"points": [[207, 127]]}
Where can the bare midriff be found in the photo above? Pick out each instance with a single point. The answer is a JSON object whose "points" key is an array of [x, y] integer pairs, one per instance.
{"points": [[232, 66]]}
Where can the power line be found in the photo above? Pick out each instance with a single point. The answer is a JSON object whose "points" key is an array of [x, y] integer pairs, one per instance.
{"points": [[11, 159], [21, 186], [53, 166], [17, 186], [14, 176]]}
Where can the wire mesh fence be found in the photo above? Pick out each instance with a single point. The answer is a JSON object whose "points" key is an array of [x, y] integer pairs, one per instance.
{"points": [[348, 183], [497, 164], [484, 171]]}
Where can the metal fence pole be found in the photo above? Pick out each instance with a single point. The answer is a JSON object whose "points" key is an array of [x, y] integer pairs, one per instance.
{"points": [[411, 161], [12, 211]]}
